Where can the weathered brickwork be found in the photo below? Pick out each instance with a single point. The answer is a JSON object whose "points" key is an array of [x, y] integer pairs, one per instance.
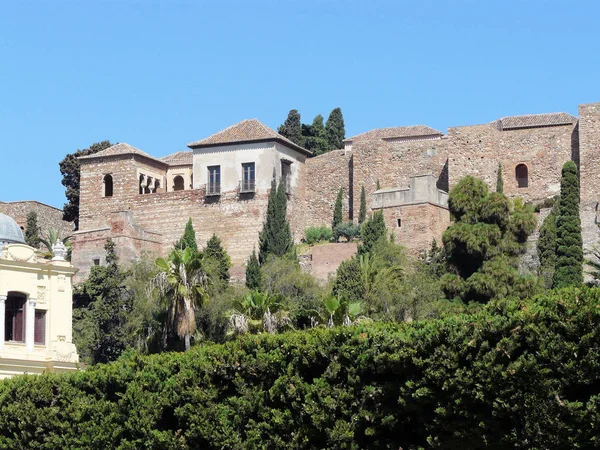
{"points": [[47, 216], [393, 164], [477, 150], [325, 175], [538, 144]]}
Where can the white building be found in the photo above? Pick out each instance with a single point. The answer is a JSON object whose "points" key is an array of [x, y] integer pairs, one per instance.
{"points": [[35, 307]]}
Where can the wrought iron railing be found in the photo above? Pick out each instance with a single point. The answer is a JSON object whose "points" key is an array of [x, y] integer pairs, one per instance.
{"points": [[213, 189], [247, 186]]}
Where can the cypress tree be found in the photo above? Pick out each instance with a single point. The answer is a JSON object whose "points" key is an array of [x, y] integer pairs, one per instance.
{"points": [[337, 211], [315, 136], [214, 249], [569, 245], [362, 213], [253, 275], [275, 237], [373, 230], [292, 128], [500, 181], [188, 240], [378, 184], [336, 132], [32, 230], [546, 247]]}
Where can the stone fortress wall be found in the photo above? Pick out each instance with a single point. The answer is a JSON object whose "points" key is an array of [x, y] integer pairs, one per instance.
{"points": [[47, 216], [405, 166]]}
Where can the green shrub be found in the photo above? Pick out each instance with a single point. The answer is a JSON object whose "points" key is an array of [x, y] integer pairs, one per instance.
{"points": [[313, 235], [347, 230], [515, 374]]}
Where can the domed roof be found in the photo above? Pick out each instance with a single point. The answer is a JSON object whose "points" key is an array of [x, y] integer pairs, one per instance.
{"points": [[10, 232]]}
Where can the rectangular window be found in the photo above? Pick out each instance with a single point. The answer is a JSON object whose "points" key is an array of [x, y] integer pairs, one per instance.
{"points": [[248, 177], [39, 329], [14, 319], [286, 175], [213, 187]]}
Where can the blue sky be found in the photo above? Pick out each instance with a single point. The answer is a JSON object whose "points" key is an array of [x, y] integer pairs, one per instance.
{"points": [[158, 75]]}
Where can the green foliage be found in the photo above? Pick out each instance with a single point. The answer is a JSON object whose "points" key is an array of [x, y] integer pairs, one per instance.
{"points": [[378, 185], [315, 136], [569, 244], [335, 129], [188, 240], [32, 230], [214, 250], [337, 212], [348, 283], [258, 312], [362, 212], [253, 274], [372, 231], [546, 203], [514, 374], [181, 286], [101, 311], [500, 180], [347, 230], [483, 244], [312, 235], [70, 170], [275, 237], [292, 128], [546, 248]]}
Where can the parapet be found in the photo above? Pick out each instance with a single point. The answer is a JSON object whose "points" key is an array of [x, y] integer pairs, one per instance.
{"points": [[422, 189]]}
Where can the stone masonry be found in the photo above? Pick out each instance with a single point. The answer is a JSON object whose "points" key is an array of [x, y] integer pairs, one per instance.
{"points": [[405, 160]]}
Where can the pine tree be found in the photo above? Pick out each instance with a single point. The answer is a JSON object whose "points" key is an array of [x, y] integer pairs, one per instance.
{"points": [[188, 239], [253, 274], [32, 230], [500, 181], [569, 246], [275, 237], [337, 212], [362, 213], [315, 136], [336, 132], [292, 128], [214, 249]]}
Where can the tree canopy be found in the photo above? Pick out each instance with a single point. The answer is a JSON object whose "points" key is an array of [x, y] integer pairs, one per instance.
{"points": [[335, 129], [276, 236], [292, 128], [70, 171]]}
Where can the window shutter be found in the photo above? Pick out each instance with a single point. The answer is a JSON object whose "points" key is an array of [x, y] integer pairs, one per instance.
{"points": [[18, 326], [39, 330]]}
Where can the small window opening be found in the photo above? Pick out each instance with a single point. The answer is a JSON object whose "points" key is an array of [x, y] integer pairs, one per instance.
{"points": [[213, 187], [248, 177], [96, 261], [399, 221], [178, 184], [141, 190], [39, 328], [286, 175], [108, 185], [522, 175]]}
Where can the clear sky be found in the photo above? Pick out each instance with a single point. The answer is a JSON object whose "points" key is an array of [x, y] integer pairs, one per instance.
{"points": [[158, 75]]}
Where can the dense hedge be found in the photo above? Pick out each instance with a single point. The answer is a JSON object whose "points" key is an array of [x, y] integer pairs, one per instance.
{"points": [[518, 374]]}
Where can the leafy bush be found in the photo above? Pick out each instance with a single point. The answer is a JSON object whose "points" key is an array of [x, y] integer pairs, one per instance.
{"points": [[515, 374], [313, 235], [347, 230]]}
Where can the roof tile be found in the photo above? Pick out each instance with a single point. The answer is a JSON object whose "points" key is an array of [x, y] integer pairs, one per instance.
{"points": [[183, 158], [535, 120], [396, 132]]}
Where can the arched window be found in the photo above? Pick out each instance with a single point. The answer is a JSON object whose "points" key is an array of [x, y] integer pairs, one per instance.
{"points": [[522, 175], [108, 185], [141, 190], [156, 185], [14, 318], [178, 184]]}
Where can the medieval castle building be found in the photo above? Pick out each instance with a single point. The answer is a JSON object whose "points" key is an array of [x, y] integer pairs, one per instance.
{"points": [[222, 182]]}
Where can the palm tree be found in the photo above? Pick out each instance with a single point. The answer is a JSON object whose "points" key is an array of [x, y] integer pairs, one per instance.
{"points": [[257, 310], [375, 277], [51, 237], [181, 284]]}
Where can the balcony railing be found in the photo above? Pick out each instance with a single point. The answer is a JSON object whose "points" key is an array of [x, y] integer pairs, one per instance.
{"points": [[247, 186], [213, 189]]}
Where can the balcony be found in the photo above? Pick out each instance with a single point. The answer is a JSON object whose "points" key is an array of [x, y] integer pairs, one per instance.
{"points": [[213, 189], [247, 187]]}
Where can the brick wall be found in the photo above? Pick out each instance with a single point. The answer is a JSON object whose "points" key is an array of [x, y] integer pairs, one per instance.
{"points": [[477, 150], [47, 216]]}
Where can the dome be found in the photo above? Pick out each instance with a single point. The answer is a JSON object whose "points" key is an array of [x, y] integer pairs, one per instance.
{"points": [[10, 232]]}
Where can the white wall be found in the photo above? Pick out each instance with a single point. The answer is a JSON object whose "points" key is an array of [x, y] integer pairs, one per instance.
{"points": [[265, 155]]}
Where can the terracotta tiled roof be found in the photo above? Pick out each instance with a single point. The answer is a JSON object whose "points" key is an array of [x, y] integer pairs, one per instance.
{"points": [[179, 158], [535, 120], [249, 130], [396, 132], [120, 149]]}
